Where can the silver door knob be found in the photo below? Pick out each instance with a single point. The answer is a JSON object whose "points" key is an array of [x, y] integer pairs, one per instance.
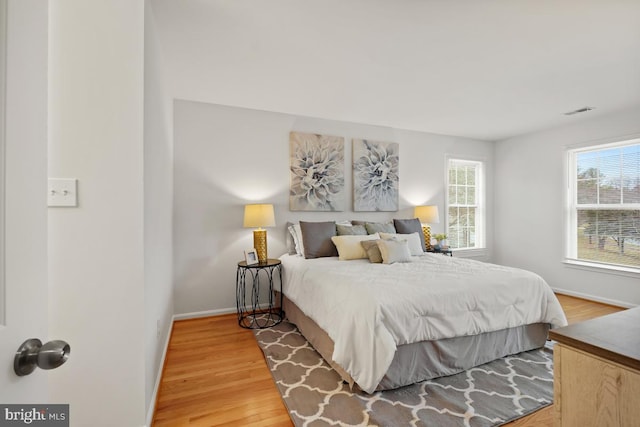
{"points": [[33, 353]]}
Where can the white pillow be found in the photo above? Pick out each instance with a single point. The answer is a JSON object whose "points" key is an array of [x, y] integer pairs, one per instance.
{"points": [[349, 246], [296, 234], [394, 251], [413, 239]]}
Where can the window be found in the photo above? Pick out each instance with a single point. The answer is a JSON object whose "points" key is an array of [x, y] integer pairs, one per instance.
{"points": [[604, 205], [465, 204]]}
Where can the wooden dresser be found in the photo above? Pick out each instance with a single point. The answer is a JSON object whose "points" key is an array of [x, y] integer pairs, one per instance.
{"points": [[597, 371]]}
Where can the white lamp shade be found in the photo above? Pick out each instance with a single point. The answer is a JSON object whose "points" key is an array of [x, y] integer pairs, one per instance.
{"points": [[427, 214], [259, 216]]}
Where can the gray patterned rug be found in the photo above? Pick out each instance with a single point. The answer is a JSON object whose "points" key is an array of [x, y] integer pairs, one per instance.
{"points": [[488, 395]]}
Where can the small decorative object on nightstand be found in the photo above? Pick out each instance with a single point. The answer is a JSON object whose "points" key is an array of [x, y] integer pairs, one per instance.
{"points": [[441, 246], [251, 314], [250, 256], [442, 241]]}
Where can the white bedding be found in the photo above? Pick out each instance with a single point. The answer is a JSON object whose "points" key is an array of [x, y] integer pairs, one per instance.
{"points": [[368, 309]]}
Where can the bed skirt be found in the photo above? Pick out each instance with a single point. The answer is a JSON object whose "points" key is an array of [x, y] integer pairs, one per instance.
{"points": [[425, 360]]}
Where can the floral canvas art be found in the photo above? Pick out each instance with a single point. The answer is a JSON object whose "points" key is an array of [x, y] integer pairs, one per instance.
{"points": [[375, 175], [317, 172]]}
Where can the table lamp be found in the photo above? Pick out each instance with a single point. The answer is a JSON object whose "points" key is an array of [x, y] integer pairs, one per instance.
{"points": [[259, 215], [427, 215]]}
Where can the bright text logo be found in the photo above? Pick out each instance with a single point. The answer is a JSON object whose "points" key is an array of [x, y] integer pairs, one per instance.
{"points": [[34, 415]]}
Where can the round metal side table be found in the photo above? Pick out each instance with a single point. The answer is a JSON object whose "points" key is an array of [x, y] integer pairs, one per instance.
{"points": [[252, 313]]}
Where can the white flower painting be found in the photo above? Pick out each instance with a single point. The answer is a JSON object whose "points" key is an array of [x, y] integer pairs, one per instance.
{"points": [[317, 172], [375, 175]]}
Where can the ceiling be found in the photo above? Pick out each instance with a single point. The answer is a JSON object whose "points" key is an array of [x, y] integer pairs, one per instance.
{"points": [[482, 69]]}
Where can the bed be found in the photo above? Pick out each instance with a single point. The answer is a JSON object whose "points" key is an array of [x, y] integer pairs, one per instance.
{"points": [[383, 326]]}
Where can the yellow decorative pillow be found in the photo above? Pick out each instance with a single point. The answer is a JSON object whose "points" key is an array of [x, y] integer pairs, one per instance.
{"points": [[349, 246]]}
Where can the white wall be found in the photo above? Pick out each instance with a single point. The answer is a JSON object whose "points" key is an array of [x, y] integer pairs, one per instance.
{"points": [[529, 207], [96, 250], [225, 157], [3, 101], [158, 209], [25, 165]]}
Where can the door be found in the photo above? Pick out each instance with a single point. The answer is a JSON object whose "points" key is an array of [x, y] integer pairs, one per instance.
{"points": [[23, 144]]}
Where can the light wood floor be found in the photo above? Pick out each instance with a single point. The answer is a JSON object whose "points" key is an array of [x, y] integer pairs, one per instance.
{"points": [[215, 375]]}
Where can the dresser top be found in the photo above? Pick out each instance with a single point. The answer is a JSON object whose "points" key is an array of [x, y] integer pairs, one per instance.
{"points": [[614, 337]]}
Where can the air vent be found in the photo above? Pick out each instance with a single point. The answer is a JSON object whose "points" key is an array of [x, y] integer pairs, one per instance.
{"points": [[579, 110]]}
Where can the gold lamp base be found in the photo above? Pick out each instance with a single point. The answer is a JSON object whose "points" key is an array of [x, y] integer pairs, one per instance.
{"points": [[260, 243], [426, 230]]}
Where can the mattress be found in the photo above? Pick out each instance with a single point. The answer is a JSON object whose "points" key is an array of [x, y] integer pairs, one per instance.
{"points": [[370, 310]]}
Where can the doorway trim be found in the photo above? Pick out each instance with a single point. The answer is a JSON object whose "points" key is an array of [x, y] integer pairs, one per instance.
{"points": [[3, 127]]}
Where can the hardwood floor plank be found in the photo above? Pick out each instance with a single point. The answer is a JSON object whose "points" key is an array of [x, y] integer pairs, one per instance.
{"points": [[215, 375], [578, 309]]}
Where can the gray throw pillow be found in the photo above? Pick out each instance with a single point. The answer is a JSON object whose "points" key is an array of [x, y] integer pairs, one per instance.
{"points": [[408, 226], [379, 227], [346, 230], [316, 238], [393, 251], [372, 250]]}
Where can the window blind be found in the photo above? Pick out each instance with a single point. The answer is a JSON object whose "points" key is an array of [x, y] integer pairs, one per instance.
{"points": [[605, 204]]}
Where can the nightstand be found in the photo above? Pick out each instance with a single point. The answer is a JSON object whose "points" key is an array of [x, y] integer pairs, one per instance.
{"points": [[440, 251], [252, 314]]}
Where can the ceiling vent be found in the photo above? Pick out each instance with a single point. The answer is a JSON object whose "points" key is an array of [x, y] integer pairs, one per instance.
{"points": [[579, 110]]}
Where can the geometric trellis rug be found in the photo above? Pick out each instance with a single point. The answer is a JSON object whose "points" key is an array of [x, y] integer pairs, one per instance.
{"points": [[488, 395]]}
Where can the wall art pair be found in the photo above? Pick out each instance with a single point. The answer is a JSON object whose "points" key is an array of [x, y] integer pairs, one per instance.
{"points": [[317, 174]]}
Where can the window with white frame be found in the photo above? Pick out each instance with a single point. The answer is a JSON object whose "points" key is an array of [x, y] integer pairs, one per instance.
{"points": [[465, 204], [604, 205]]}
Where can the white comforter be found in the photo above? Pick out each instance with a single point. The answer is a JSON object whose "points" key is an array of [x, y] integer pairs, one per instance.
{"points": [[368, 309]]}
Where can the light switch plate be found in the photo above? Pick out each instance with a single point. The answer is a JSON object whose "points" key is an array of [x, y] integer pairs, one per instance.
{"points": [[63, 192]]}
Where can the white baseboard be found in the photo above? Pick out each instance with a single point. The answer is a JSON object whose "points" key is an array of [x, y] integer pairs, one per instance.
{"points": [[207, 313], [594, 298], [156, 388]]}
